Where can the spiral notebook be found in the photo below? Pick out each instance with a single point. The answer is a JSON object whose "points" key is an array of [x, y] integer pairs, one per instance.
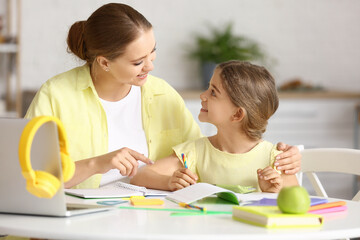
{"points": [[117, 189]]}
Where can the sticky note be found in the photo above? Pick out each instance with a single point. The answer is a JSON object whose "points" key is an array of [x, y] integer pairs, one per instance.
{"points": [[146, 201]]}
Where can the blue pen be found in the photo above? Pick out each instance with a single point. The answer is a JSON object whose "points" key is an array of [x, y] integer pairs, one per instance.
{"points": [[110, 202]]}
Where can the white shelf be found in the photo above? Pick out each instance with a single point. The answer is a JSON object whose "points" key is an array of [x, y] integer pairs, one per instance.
{"points": [[10, 114], [8, 48]]}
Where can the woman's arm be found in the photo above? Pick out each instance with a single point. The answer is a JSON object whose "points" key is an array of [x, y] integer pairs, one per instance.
{"points": [[289, 180], [124, 159]]}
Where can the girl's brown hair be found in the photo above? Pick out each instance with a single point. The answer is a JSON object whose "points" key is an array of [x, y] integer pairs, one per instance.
{"points": [[252, 88], [106, 32]]}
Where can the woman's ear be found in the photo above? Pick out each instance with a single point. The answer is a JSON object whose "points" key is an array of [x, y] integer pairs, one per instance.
{"points": [[103, 63], [239, 114]]}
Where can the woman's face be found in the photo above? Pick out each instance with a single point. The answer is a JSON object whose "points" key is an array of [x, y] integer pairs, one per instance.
{"points": [[134, 65]]}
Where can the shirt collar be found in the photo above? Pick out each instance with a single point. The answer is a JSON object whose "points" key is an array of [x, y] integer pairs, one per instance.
{"points": [[151, 88], [84, 80]]}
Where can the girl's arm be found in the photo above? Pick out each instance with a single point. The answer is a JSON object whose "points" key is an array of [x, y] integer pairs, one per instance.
{"points": [[165, 174], [271, 181], [289, 180]]}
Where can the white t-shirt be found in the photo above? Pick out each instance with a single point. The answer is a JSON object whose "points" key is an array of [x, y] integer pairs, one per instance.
{"points": [[125, 128]]}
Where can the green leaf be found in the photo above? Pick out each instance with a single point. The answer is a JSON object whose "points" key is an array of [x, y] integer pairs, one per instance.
{"points": [[223, 45]]}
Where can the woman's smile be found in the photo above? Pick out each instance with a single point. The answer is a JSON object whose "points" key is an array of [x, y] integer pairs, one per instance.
{"points": [[142, 76]]}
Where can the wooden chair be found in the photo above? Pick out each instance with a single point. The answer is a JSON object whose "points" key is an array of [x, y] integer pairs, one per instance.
{"points": [[339, 160]]}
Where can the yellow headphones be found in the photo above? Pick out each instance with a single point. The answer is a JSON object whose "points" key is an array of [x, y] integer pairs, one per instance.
{"points": [[39, 183]]}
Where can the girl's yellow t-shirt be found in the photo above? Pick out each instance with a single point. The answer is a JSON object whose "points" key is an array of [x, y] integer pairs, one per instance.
{"points": [[217, 167]]}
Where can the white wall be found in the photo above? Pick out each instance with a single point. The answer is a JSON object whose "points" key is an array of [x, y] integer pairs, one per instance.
{"points": [[318, 41]]}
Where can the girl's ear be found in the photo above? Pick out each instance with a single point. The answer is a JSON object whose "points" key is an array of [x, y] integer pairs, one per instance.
{"points": [[103, 63], [239, 115]]}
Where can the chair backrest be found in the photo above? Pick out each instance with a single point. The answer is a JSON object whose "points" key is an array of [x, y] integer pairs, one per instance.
{"points": [[339, 160]]}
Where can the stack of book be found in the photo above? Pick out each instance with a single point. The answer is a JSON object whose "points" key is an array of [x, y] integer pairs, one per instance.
{"points": [[270, 216]]}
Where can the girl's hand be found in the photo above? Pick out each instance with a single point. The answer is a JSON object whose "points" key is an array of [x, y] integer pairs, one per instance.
{"points": [[182, 178], [289, 162], [124, 159], [269, 180]]}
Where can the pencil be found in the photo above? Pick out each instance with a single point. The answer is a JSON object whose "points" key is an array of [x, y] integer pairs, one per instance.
{"points": [[184, 160], [190, 206], [327, 205]]}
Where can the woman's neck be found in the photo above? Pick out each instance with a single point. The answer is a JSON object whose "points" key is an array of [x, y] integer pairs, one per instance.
{"points": [[233, 141], [106, 87]]}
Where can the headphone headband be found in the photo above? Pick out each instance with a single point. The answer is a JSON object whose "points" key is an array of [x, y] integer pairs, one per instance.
{"points": [[39, 183]]}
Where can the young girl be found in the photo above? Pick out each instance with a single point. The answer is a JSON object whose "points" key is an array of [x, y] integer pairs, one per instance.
{"points": [[239, 101]]}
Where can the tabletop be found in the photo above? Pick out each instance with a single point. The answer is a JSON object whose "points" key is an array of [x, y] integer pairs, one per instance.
{"points": [[130, 223]]}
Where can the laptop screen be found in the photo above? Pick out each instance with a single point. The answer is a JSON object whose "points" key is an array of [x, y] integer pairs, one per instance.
{"points": [[45, 156]]}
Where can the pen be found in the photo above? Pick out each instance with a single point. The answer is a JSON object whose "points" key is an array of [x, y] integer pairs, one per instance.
{"points": [[185, 205], [184, 160]]}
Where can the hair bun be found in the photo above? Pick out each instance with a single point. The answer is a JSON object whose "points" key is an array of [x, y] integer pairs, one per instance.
{"points": [[75, 40]]}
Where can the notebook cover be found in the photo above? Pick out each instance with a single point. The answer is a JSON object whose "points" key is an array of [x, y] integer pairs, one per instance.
{"points": [[277, 218], [272, 202]]}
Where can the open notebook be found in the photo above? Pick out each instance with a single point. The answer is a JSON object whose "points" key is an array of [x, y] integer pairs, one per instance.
{"points": [[198, 191], [14, 197], [116, 189]]}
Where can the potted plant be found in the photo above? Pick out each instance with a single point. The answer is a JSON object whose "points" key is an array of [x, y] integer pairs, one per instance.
{"points": [[223, 45]]}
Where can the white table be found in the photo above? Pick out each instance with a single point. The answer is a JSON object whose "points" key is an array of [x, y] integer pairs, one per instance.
{"points": [[149, 224]]}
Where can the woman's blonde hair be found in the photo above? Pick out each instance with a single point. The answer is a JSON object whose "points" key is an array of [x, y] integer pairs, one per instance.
{"points": [[252, 88]]}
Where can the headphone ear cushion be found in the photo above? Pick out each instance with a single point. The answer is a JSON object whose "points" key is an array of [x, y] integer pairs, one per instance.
{"points": [[68, 166], [44, 185]]}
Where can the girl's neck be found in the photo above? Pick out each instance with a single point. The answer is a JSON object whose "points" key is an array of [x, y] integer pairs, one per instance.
{"points": [[106, 87], [233, 142]]}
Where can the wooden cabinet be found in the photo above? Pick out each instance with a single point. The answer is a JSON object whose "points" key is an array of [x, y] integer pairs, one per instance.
{"points": [[10, 91]]}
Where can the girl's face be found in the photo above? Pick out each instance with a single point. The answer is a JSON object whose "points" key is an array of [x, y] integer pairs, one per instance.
{"points": [[134, 65], [217, 108]]}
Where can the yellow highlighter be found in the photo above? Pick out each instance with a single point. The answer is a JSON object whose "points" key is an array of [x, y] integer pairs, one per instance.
{"points": [[137, 197], [146, 201]]}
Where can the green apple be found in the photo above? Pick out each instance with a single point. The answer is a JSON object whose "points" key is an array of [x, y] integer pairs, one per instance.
{"points": [[294, 199]]}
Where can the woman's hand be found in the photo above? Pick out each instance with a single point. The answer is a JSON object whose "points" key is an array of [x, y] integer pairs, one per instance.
{"points": [[289, 162], [182, 178], [269, 180], [124, 159]]}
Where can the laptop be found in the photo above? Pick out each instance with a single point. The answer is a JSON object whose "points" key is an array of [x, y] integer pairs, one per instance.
{"points": [[45, 156]]}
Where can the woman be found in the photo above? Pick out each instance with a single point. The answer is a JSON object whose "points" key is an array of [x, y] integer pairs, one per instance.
{"points": [[115, 114]]}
